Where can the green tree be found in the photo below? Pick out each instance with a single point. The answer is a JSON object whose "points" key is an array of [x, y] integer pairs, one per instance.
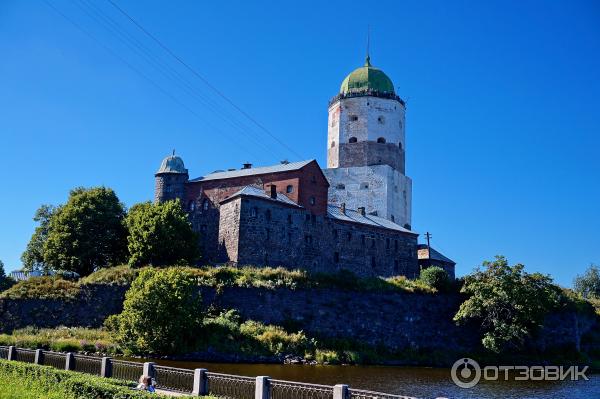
{"points": [[33, 257], [588, 285], [508, 303], [5, 281], [435, 277], [87, 233], [160, 234], [161, 314]]}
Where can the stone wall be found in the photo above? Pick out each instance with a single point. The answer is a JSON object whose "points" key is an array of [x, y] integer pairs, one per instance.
{"points": [[396, 321], [291, 237]]}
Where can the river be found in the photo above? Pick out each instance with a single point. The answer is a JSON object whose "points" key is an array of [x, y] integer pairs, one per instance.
{"points": [[420, 382]]}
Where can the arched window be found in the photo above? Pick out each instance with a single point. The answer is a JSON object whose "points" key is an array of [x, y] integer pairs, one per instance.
{"points": [[289, 189], [352, 140], [192, 206], [253, 212], [205, 205], [332, 144], [381, 140]]}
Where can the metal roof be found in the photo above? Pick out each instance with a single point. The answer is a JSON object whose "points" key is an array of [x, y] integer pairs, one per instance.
{"points": [[334, 212], [253, 191], [423, 253], [284, 167]]}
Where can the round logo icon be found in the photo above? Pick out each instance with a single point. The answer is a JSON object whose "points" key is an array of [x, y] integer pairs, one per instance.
{"points": [[465, 373]]}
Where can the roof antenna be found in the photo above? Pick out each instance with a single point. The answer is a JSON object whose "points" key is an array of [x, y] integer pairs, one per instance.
{"points": [[368, 59]]}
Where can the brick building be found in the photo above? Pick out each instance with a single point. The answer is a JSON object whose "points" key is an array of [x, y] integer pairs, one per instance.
{"points": [[354, 215]]}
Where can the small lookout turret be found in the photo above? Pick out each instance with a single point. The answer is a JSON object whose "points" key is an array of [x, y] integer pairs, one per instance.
{"points": [[170, 179]]}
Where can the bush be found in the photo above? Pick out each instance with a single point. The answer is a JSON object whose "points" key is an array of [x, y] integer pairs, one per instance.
{"points": [[43, 288], [62, 339], [161, 313], [44, 381], [435, 277]]}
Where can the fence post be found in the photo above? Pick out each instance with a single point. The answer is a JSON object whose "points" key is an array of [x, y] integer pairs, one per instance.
{"points": [[340, 391], [200, 383], [69, 361], [149, 369], [12, 353], [262, 390], [106, 367], [39, 356]]}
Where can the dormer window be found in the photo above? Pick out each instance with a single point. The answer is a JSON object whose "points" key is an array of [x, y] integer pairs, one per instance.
{"points": [[289, 189]]}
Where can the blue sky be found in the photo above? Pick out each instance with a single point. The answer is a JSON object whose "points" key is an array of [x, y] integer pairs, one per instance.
{"points": [[503, 103]]}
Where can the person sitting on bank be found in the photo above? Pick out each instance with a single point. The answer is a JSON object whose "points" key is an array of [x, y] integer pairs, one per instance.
{"points": [[146, 383]]}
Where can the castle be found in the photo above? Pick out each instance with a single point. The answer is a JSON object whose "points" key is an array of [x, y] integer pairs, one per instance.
{"points": [[354, 215]]}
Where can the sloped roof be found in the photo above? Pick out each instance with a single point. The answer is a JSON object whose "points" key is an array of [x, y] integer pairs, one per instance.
{"points": [[252, 191], [423, 253], [334, 212], [255, 171]]}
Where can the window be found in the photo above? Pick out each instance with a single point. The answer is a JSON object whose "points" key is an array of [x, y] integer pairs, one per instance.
{"points": [[407, 226], [373, 262], [169, 188], [381, 140], [312, 200], [364, 186], [268, 233], [393, 219], [253, 212], [332, 144], [289, 189], [192, 206], [336, 257], [289, 219], [400, 145], [353, 118], [387, 243], [349, 236], [313, 179], [205, 204], [268, 215], [203, 228], [395, 245], [363, 240], [335, 234], [340, 186], [396, 267], [313, 218], [308, 217], [400, 124], [289, 235], [352, 140], [373, 242], [381, 119]]}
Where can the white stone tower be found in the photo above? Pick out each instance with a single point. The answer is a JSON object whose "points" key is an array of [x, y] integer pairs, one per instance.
{"points": [[365, 147]]}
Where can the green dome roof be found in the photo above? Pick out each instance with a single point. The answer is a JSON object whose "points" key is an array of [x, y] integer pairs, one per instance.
{"points": [[367, 78]]}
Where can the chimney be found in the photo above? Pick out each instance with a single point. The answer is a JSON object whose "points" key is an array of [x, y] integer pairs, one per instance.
{"points": [[361, 210], [247, 165], [273, 191], [343, 208]]}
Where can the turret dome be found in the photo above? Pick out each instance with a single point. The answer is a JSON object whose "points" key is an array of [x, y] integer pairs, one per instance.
{"points": [[172, 164], [367, 79]]}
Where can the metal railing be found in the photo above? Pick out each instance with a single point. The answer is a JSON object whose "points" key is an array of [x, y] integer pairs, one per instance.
{"points": [[231, 386], [88, 364], [299, 390], [195, 382], [174, 379], [124, 370]]}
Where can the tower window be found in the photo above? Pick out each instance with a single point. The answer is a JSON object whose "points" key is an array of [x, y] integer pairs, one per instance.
{"points": [[353, 118], [289, 189], [332, 144], [381, 140], [352, 140], [381, 119]]}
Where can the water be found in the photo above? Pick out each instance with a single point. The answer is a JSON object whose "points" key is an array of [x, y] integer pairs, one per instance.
{"points": [[421, 382]]}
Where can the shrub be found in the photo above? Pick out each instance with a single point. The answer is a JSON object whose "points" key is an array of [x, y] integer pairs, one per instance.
{"points": [[161, 313], [46, 382], [43, 288], [61, 339], [327, 356], [435, 277]]}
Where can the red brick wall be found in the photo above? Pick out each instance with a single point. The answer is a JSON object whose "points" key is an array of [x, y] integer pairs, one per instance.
{"points": [[307, 182]]}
